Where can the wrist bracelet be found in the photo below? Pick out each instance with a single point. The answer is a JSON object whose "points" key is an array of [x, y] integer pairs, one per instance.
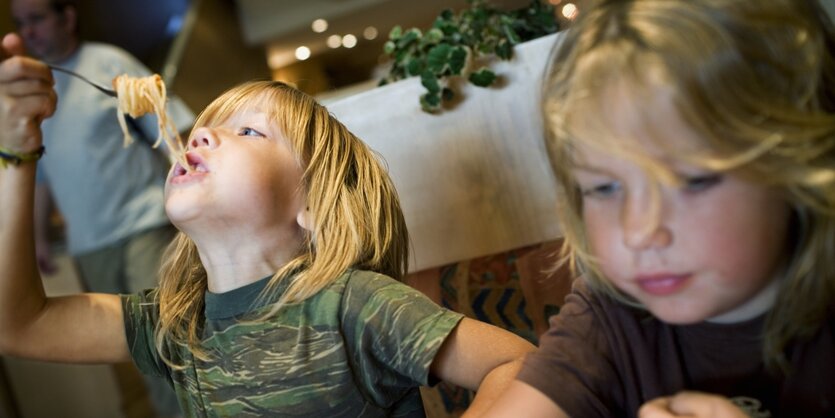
{"points": [[9, 157]]}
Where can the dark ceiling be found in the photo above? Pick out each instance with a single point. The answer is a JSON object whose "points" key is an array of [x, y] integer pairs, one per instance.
{"points": [[143, 27]]}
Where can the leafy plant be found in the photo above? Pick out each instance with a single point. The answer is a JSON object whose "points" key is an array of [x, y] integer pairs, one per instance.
{"points": [[457, 41]]}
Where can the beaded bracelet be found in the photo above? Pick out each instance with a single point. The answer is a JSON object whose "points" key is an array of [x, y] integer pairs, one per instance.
{"points": [[9, 157]]}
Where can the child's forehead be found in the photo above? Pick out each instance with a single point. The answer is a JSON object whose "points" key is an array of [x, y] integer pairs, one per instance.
{"points": [[249, 114], [253, 108], [626, 119]]}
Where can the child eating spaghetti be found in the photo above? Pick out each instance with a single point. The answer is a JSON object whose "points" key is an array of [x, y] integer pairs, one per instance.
{"points": [[278, 297]]}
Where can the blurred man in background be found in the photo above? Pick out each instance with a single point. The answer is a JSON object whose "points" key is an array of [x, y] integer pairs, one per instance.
{"points": [[110, 196]]}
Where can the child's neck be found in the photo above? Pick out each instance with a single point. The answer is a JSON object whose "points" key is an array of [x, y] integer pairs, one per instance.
{"points": [[756, 306], [242, 256], [231, 267], [223, 279]]}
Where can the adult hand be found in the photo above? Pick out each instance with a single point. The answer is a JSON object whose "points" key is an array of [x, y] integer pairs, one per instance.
{"points": [[691, 404], [26, 97]]}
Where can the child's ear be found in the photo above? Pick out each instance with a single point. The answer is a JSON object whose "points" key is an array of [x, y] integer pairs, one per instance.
{"points": [[305, 219]]}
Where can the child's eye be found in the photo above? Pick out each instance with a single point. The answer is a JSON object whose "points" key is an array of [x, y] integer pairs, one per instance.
{"points": [[602, 190], [246, 131], [699, 183]]}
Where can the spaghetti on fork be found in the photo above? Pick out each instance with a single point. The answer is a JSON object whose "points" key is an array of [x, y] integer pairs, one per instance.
{"points": [[140, 95]]}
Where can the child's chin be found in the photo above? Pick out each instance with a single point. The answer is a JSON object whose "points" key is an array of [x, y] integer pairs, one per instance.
{"points": [[179, 213]]}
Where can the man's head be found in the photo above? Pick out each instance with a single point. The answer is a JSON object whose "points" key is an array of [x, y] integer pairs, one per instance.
{"points": [[48, 27]]}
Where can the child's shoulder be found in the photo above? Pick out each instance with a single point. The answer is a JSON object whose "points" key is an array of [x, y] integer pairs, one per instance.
{"points": [[370, 282], [372, 289]]}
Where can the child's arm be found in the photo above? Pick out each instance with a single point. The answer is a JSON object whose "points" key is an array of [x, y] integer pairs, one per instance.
{"points": [[43, 209], [481, 357], [518, 400], [691, 404], [85, 328]]}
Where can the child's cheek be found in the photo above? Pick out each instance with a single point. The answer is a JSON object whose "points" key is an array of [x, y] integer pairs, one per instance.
{"points": [[604, 240]]}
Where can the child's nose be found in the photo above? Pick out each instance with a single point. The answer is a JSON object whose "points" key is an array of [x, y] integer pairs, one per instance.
{"points": [[644, 226], [202, 137]]}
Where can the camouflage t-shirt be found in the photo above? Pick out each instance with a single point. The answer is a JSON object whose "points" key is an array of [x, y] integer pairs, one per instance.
{"points": [[358, 348]]}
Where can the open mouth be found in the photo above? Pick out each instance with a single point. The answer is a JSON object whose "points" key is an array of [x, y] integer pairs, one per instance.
{"points": [[196, 165]]}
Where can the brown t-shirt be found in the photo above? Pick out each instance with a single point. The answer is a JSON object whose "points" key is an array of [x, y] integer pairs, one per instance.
{"points": [[601, 358]]}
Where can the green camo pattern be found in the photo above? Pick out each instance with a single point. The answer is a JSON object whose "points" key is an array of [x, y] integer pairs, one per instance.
{"points": [[359, 348]]}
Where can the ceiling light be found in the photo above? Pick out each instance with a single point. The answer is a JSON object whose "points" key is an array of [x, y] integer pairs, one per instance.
{"points": [[569, 11], [334, 41], [319, 25], [302, 53], [370, 33], [349, 41]]}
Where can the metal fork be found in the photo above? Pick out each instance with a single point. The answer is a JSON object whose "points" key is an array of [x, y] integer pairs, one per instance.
{"points": [[104, 90]]}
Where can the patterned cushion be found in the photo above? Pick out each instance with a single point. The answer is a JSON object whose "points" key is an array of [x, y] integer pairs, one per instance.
{"points": [[517, 290]]}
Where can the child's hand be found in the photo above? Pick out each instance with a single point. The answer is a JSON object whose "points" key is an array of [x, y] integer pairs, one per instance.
{"points": [[26, 97], [691, 404]]}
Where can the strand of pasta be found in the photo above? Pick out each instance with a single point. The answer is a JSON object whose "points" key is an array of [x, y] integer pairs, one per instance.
{"points": [[140, 95]]}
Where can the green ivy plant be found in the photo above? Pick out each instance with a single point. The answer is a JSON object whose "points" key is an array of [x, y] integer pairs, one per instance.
{"points": [[456, 41]]}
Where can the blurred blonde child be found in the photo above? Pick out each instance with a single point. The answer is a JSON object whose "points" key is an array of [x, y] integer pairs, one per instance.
{"points": [[278, 297], [694, 146]]}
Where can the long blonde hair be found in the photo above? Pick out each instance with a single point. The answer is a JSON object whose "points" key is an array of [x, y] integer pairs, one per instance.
{"points": [[756, 80], [354, 210]]}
